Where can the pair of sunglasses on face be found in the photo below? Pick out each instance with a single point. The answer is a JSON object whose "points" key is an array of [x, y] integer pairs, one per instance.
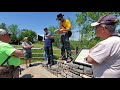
{"points": [[59, 19], [8, 34]]}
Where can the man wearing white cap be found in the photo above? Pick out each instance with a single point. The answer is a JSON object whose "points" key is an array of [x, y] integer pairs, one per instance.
{"points": [[9, 57], [105, 56]]}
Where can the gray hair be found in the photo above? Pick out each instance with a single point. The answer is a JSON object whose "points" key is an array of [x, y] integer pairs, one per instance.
{"points": [[111, 28]]}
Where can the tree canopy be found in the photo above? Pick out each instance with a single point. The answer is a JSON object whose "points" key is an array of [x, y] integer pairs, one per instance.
{"points": [[85, 33]]}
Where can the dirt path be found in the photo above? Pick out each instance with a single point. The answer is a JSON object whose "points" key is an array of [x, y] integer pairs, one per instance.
{"points": [[36, 71]]}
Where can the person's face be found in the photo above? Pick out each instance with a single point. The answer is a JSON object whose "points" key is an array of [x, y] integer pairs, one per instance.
{"points": [[46, 31], [27, 40], [60, 19], [99, 31], [6, 38]]}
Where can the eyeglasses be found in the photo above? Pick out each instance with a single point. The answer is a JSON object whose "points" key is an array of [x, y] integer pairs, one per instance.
{"points": [[8, 34]]}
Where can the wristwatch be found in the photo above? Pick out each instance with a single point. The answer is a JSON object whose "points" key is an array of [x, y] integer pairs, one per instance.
{"points": [[85, 59]]}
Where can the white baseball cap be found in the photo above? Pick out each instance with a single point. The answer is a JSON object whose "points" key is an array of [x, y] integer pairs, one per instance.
{"points": [[3, 32]]}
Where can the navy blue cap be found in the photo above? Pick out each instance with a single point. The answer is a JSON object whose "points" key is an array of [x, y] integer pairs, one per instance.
{"points": [[107, 20]]}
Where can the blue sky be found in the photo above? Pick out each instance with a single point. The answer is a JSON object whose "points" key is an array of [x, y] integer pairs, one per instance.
{"points": [[35, 21]]}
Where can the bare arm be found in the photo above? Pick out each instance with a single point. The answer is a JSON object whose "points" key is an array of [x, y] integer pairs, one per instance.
{"points": [[32, 46], [18, 53], [28, 46], [89, 59], [60, 31], [51, 37]]}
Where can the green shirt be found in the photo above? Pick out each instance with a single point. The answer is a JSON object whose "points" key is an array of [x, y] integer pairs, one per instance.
{"points": [[5, 51]]}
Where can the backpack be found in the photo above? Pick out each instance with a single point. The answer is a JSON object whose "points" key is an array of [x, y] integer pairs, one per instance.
{"points": [[69, 33]]}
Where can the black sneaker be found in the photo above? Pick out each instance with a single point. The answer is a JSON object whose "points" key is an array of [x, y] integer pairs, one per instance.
{"points": [[53, 63]]}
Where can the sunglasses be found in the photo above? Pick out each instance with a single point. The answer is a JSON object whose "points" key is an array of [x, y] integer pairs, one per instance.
{"points": [[59, 19], [8, 34]]}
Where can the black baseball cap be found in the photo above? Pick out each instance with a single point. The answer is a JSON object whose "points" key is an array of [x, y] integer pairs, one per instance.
{"points": [[45, 29]]}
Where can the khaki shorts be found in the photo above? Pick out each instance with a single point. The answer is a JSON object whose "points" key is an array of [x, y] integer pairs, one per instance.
{"points": [[28, 55]]}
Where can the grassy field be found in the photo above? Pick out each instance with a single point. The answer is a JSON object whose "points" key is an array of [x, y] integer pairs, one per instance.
{"points": [[39, 53]]}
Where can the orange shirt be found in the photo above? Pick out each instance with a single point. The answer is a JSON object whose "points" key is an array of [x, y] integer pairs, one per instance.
{"points": [[66, 25]]}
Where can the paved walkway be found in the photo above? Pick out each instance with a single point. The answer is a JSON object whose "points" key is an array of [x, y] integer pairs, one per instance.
{"points": [[36, 71]]}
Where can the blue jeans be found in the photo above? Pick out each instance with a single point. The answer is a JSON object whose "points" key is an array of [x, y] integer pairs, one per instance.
{"points": [[45, 55], [49, 52]]}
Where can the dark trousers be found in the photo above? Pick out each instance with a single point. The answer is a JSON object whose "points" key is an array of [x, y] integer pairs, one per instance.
{"points": [[49, 52], [65, 46]]}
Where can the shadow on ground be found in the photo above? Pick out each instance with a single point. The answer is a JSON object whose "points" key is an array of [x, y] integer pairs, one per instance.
{"points": [[45, 62], [36, 64], [27, 76]]}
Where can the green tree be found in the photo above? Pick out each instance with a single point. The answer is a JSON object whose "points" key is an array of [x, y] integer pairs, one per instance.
{"points": [[72, 38], [86, 32], [3, 26], [28, 33], [13, 29]]}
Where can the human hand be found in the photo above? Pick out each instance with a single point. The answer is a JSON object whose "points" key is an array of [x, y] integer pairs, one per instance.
{"points": [[61, 29], [60, 32], [48, 37], [57, 30], [32, 45]]}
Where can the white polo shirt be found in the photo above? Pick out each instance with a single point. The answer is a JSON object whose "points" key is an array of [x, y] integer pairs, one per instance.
{"points": [[107, 55]]}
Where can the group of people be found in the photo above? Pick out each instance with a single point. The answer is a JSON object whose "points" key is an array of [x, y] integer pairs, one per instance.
{"points": [[63, 30], [104, 56], [10, 57]]}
